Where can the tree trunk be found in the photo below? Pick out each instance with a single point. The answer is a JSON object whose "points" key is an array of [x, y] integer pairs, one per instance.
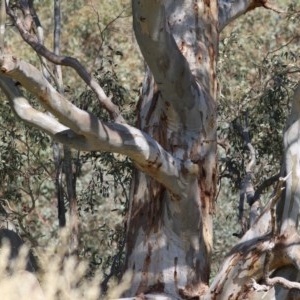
{"points": [[170, 235], [72, 199], [271, 245]]}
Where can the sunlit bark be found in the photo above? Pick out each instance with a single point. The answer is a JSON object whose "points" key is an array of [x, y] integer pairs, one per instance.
{"points": [[271, 245], [173, 146], [169, 238]]}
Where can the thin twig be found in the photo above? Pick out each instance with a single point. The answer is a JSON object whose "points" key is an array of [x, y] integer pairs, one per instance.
{"points": [[59, 162], [102, 31], [272, 7], [246, 189], [39, 32], [282, 46]]}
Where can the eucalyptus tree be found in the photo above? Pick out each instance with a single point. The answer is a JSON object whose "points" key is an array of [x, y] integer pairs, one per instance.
{"points": [[174, 149]]}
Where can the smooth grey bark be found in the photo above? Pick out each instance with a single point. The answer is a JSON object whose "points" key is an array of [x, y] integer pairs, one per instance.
{"points": [[271, 245], [173, 146], [170, 239]]}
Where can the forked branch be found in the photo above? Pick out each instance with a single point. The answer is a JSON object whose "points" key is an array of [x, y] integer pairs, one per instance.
{"points": [[72, 62], [31, 116], [82, 130]]}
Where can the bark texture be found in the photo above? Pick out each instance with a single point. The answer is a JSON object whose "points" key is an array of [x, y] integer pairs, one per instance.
{"points": [[169, 238], [169, 234], [265, 264]]}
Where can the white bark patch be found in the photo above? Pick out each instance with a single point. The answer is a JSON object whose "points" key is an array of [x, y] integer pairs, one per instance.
{"points": [[292, 161]]}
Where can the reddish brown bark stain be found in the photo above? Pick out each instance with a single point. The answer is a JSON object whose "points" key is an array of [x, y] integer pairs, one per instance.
{"points": [[146, 213], [141, 296], [156, 94], [203, 173], [155, 206], [196, 8], [230, 296], [182, 46], [257, 3], [193, 292], [207, 186], [159, 287], [147, 88], [207, 2], [163, 63], [159, 133], [212, 57], [144, 281]]}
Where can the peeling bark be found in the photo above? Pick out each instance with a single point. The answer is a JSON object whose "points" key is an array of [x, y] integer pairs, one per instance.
{"points": [[271, 245], [82, 130], [169, 238]]}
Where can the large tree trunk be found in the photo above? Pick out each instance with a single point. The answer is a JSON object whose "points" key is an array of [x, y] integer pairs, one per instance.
{"points": [[170, 235], [271, 246], [169, 239]]}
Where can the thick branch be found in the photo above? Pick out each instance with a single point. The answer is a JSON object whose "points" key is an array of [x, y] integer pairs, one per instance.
{"points": [[246, 261], [168, 65], [35, 118], [88, 133], [285, 283], [231, 10], [71, 62], [265, 184]]}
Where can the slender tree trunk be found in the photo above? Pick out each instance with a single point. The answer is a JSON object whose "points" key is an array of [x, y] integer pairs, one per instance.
{"points": [[61, 209], [72, 199], [170, 236]]}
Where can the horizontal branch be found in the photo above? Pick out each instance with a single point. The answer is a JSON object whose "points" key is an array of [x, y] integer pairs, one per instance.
{"points": [[82, 130], [39, 120], [104, 100], [283, 282]]}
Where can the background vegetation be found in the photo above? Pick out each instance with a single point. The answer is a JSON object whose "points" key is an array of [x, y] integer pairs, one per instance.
{"points": [[258, 70]]}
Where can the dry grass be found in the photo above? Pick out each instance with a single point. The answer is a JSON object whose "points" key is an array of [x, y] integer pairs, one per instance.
{"points": [[60, 276]]}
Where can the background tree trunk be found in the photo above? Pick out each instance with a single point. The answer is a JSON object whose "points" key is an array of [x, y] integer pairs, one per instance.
{"points": [[271, 246]]}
